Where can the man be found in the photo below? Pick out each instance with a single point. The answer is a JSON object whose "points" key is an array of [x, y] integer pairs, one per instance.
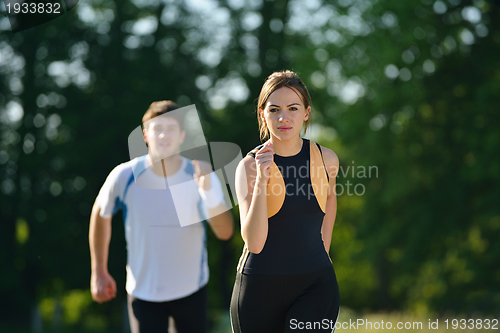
{"points": [[162, 196]]}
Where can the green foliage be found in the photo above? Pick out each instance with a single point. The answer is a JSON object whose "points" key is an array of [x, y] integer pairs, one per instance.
{"points": [[408, 87]]}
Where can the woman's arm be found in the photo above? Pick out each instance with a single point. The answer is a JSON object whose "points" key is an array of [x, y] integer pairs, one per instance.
{"points": [[251, 187], [332, 166]]}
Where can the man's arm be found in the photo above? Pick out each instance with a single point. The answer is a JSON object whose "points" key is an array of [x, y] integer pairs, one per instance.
{"points": [[102, 284], [221, 222]]}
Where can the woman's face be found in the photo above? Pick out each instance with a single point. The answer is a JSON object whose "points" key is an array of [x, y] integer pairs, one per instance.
{"points": [[284, 114]]}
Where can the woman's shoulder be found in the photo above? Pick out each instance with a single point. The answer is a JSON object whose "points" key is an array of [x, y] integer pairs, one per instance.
{"points": [[331, 159], [252, 152], [248, 159], [247, 163], [329, 154]]}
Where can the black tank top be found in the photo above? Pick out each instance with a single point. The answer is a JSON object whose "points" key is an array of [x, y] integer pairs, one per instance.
{"points": [[294, 244]]}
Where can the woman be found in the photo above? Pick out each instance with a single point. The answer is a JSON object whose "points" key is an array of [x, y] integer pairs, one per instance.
{"points": [[285, 188]]}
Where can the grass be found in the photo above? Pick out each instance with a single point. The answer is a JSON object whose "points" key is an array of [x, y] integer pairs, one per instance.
{"points": [[373, 322], [408, 322], [348, 321]]}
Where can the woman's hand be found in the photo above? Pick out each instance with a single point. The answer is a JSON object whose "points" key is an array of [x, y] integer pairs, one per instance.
{"points": [[263, 162]]}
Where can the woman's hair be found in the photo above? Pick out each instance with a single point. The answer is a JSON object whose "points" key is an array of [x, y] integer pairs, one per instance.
{"points": [[158, 108], [273, 82]]}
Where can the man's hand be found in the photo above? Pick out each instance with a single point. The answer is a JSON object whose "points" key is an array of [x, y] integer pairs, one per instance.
{"points": [[201, 175], [102, 287]]}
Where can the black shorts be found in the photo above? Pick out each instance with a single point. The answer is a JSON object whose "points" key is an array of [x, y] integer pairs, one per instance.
{"points": [[188, 313], [285, 303]]}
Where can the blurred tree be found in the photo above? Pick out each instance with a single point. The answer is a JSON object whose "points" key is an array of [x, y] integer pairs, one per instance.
{"points": [[408, 87], [73, 90]]}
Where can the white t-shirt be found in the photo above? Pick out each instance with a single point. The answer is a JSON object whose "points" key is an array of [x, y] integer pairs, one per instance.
{"points": [[165, 261]]}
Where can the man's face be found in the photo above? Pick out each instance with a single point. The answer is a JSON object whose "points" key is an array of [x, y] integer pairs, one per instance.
{"points": [[163, 136]]}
